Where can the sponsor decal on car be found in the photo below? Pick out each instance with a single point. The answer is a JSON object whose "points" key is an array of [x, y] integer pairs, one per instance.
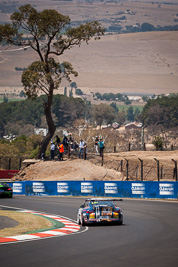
{"points": [[138, 188], [166, 189]]}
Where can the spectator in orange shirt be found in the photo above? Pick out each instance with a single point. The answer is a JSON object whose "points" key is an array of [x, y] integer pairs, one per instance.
{"points": [[61, 151]]}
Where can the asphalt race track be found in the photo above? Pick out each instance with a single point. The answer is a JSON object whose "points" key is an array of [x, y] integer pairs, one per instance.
{"points": [[149, 237]]}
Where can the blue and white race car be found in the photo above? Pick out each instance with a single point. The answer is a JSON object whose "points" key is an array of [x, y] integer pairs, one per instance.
{"points": [[97, 210]]}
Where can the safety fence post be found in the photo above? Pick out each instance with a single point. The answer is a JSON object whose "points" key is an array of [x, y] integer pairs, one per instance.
{"points": [[9, 164], [20, 163], [68, 152], [141, 161], [161, 172], [84, 154], [129, 147], [102, 159], [157, 167], [127, 169], [121, 165], [175, 169]]}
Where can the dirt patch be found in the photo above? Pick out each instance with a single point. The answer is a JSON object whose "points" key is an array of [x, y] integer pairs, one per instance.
{"points": [[76, 169]]}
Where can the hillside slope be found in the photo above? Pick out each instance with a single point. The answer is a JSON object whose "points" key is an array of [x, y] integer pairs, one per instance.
{"points": [[125, 63], [78, 169]]}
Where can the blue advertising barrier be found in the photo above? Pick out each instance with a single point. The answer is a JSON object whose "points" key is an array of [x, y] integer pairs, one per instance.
{"points": [[156, 190]]}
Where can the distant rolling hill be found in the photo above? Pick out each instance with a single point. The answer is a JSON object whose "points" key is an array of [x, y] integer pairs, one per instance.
{"points": [[135, 62]]}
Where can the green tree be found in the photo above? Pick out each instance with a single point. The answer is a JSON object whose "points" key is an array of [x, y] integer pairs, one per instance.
{"points": [[145, 98], [21, 117], [130, 114], [42, 31], [147, 27], [161, 111], [98, 95], [114, 106], [136, 113], [71, 92], [5, 99], [121, 116], [103, 113], [73, 85], [22, 94], [65, 91], [127, 102], [79, 92], [67, 109]]}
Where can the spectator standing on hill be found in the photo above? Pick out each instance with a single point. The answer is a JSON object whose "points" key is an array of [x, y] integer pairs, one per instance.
{"points": [[57, 141], [70, 137], [96, 144], [52, 149], [81, 149], [85, 150], [65, 142], [75, 146], [61, 151], [101, 146]]}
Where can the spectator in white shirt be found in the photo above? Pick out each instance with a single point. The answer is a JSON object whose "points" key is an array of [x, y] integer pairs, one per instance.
{"points": [[81, 149]]}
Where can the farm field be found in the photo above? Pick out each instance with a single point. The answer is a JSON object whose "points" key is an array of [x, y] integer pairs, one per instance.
{"points": [[125, 107], [134, 63]]}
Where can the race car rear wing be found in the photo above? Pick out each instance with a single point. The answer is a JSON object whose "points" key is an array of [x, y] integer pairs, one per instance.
{"points": [[103, 199]]}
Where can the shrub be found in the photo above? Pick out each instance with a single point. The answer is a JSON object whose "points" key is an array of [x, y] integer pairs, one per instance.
{"points": [[158, 143]]}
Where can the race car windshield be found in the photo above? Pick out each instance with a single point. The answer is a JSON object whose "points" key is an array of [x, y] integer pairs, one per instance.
{"points": [[102, 203]]}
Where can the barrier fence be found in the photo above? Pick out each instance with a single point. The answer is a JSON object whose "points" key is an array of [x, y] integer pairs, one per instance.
{"points": [[122, 189]]}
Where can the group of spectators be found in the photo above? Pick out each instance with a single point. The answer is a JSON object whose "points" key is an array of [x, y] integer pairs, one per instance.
{"points": [[61, 146]]}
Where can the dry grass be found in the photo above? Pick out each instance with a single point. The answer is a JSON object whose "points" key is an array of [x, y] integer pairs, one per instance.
{"points": [[127, 63], [27, 223]]}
